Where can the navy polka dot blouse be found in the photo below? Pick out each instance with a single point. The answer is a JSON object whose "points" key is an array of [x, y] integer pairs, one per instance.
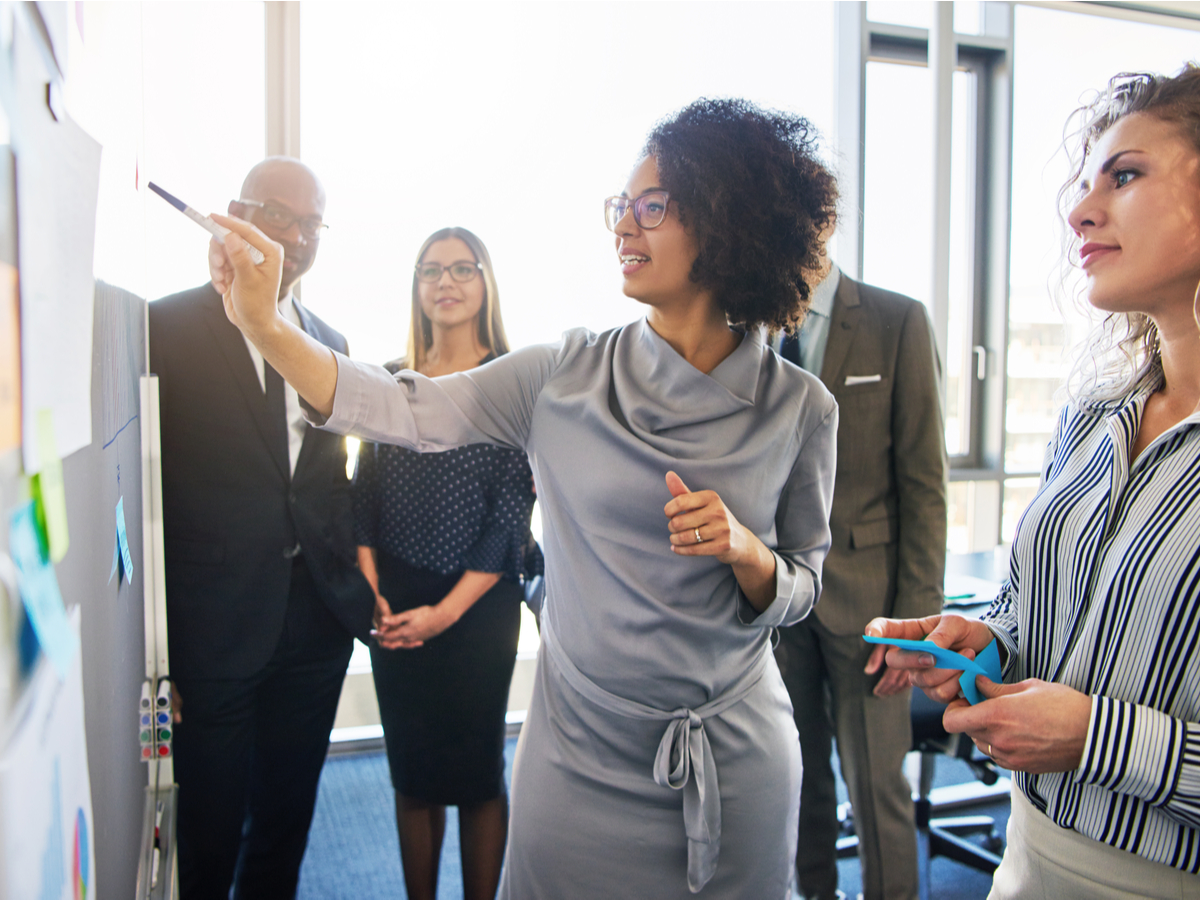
{"points": [[466, 508]]}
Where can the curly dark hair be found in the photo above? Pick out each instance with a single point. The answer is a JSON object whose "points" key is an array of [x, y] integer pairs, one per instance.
{"points": [[756, 199]]}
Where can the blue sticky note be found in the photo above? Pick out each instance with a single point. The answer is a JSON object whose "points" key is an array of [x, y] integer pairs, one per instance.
{"points": [[123, 541], [116, 560], [39, 591], [987, 663]]}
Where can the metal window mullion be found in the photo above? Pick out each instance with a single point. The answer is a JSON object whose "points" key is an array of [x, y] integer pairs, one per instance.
{"points": [[852, 40], [998, 23], [942, 60], [980, 65], [283, 82], [283, 78], [857, 40]]}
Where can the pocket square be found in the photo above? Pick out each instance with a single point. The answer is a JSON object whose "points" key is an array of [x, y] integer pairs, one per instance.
{"points": [[852, 380]]}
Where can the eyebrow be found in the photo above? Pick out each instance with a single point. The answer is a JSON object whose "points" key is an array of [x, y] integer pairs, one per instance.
{"points": [[1112, 160], [1108, 164], [649, 190]]}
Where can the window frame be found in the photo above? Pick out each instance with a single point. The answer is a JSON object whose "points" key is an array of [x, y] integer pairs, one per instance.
{"points": [[990, 56]]}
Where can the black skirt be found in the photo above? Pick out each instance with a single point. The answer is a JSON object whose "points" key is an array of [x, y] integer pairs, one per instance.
{"points": [[442, 704]]}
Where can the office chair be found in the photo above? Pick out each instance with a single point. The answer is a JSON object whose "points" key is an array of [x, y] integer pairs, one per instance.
{"points": [[943, 836]]}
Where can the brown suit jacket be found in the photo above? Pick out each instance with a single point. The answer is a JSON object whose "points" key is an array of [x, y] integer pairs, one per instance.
{"points": [[889, 503]]}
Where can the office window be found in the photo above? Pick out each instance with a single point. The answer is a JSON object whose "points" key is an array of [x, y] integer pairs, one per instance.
{"points": [[964, 356], [898, 187], [1006, 346], [516, 120], [968, 16], [898, 232], [958, 538], [1062, 58], [901, 12], [176, 94], [973, 509], [1018, 492]]}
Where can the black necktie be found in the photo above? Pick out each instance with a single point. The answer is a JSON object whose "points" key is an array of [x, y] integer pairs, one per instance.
{"points": [[277, 412]]}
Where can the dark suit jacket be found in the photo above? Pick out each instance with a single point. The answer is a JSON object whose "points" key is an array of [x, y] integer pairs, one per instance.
{"points": [[230, 508], [889, 502]]}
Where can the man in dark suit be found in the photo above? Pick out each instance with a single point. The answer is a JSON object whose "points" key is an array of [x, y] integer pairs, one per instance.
{"points": [[875, 352], [263, 594]]}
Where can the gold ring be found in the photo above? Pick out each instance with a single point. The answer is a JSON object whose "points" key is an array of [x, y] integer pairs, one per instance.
{"points": [[990, 750], [699, 540]]}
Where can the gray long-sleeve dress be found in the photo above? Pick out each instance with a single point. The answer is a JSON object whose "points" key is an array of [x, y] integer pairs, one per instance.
{"points": [[659, 756]]}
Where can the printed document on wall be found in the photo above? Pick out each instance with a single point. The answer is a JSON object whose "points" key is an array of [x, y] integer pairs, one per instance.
{"points": [[58, 182], [47, 847]]}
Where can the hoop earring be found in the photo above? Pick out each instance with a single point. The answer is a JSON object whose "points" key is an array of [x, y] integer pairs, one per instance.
{"points": [[1196, 306]]}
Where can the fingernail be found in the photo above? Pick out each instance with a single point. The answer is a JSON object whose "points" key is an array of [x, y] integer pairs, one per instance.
{"points": [[925, 659]]}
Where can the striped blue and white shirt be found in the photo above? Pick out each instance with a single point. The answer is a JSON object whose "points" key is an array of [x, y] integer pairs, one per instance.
{"points": [[1104, 596]]}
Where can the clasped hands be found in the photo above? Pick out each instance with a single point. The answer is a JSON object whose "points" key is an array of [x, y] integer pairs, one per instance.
{"points": [[1031, 726], [410, 628]]}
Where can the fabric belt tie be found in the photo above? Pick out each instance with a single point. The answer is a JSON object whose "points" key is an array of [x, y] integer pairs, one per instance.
{"points": [[684, 761]]}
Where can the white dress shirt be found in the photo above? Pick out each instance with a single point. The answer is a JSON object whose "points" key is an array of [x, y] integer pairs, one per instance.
{"points": [[291, 400]]}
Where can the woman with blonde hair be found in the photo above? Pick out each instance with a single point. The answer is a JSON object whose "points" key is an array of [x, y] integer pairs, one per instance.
{"points": [[444, 541], [1099, 621]]}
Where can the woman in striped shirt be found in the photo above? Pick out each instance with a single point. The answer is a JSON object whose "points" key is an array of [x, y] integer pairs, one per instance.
{"points": [[1099, 620]]}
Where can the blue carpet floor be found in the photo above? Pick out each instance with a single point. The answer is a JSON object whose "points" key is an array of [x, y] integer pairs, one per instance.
{"points": [[353, 851], [353, 847]]}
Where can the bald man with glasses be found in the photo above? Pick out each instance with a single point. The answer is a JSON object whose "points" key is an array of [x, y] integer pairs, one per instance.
{"points": [[263, 593]]}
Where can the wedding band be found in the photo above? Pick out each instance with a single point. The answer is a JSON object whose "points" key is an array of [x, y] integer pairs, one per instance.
{"points": [[990, 750], [699, 540]]}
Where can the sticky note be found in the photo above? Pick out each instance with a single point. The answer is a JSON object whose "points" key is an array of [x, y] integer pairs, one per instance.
{"points": [[48, 490], [123, 542], [987, 663], [39, 591]]}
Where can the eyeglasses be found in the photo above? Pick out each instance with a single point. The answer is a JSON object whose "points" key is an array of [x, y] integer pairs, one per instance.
{"points": [[282, 219], [649, 210], [463, 270]]}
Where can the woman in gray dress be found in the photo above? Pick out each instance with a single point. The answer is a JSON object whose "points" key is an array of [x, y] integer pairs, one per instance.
{"points": [[685, 474]]}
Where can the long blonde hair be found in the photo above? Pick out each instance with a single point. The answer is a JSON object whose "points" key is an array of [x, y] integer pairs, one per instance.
{"points": [[491, 326], [1123, 350]]}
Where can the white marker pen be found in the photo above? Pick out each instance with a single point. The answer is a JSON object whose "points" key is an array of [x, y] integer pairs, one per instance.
{"points": [[204, 222]]}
